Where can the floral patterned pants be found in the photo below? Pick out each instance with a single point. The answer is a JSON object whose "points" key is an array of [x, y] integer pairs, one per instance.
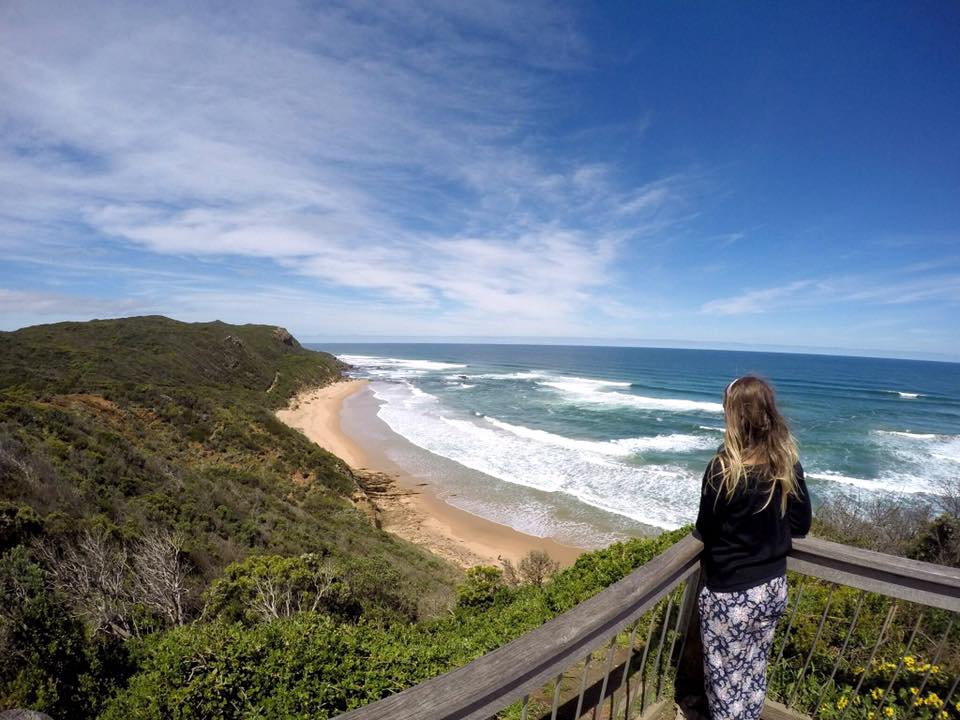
{"points": [[737, 630]]}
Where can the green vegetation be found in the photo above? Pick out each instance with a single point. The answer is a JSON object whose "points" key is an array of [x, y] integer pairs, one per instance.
{"points": [[141, 461], [168, 549], [312, 665], [895, 661], [900, 660]]}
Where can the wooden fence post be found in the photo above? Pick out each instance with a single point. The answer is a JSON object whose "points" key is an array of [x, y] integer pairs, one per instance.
{"points": [[689, 693]]}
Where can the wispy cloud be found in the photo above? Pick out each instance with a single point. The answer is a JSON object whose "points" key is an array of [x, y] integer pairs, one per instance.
{"points": [[62, 306], [380, 148], [877, 289], [756, 301]]}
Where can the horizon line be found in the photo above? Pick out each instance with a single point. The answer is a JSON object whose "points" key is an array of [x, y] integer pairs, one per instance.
{"points": [[653, 343]]}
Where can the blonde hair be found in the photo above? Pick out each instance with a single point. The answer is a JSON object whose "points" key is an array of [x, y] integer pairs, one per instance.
{"points": [[756, 431]]}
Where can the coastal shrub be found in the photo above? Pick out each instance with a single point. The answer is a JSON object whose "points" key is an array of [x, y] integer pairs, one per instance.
{"points": [[601, 568], [313, 665], [49, 662], [267, 587], [938, 541], [916, 529], [917, 654], [534, 568], [481, 588], [147, 424], [18, 524]]}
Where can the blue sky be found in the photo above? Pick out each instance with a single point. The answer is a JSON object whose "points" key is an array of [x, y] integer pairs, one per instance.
{"points": [[762, 174]]}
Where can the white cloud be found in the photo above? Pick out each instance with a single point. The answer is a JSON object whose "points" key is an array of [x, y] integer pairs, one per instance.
{"points": [[877, 289], [755, 301], [376, 147], [64, 306]]}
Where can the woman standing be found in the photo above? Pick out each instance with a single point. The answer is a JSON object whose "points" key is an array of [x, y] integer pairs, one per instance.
{"points": [[753, 501]]}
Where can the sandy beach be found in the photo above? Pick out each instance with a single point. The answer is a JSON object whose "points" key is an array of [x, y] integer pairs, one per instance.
{"points": [[407, 505]]}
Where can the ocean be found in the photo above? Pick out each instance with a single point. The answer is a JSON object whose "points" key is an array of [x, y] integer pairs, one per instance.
{"points": [[592, 444]]}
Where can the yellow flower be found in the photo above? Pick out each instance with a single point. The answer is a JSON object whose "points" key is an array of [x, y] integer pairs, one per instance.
{"points": [[871, 715], [876, 693], [934, 669], [842, 703], [943, 715], [934, 700], [914, 691], [889, 711]]}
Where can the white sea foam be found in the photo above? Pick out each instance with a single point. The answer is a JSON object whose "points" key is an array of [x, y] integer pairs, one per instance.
{"points": [[918, 449], [903, 394], [583, 384], [907, 434], [711, 428], [673, 443], [396, 368], [901, 484], [458, 384], [661, 495], [624, 447], [908, 462], [592, 393], [528, 375]]}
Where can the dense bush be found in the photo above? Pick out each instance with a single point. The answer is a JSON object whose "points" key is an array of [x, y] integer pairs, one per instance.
{"points": [[50, 662], [268, 587], [311, 665]]}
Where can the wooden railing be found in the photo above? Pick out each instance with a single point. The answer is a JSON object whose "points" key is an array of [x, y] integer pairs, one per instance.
{"points": [[617, 654]]}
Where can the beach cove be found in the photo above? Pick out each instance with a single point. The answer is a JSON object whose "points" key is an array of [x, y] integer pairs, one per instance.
{"points": [[410, 506], [486, 445]]}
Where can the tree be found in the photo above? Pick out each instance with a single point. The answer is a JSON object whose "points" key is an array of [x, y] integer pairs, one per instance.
{"points": [[267, 587], [483, 584], [105, 583], [535, 568], [160, 575], [91, 573]]}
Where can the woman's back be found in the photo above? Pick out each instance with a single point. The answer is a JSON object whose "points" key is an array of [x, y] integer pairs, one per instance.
{"points": [[746, 539]]}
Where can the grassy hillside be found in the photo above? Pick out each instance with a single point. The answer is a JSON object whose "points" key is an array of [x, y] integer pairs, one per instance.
{"points": [[118, 433], [116, 355]]}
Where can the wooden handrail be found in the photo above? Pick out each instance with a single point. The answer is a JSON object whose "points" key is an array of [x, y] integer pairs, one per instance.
{"points": [[490, 683], [902, 578]]}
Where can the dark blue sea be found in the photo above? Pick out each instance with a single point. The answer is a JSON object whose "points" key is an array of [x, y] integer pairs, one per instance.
{"points": [[606, 437]]}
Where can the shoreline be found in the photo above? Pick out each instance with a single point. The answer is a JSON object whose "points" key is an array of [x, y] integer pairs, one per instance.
{"points": [[409, 507]]}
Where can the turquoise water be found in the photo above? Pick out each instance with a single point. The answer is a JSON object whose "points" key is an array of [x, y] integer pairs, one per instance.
{"points": [[614, 436]]}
